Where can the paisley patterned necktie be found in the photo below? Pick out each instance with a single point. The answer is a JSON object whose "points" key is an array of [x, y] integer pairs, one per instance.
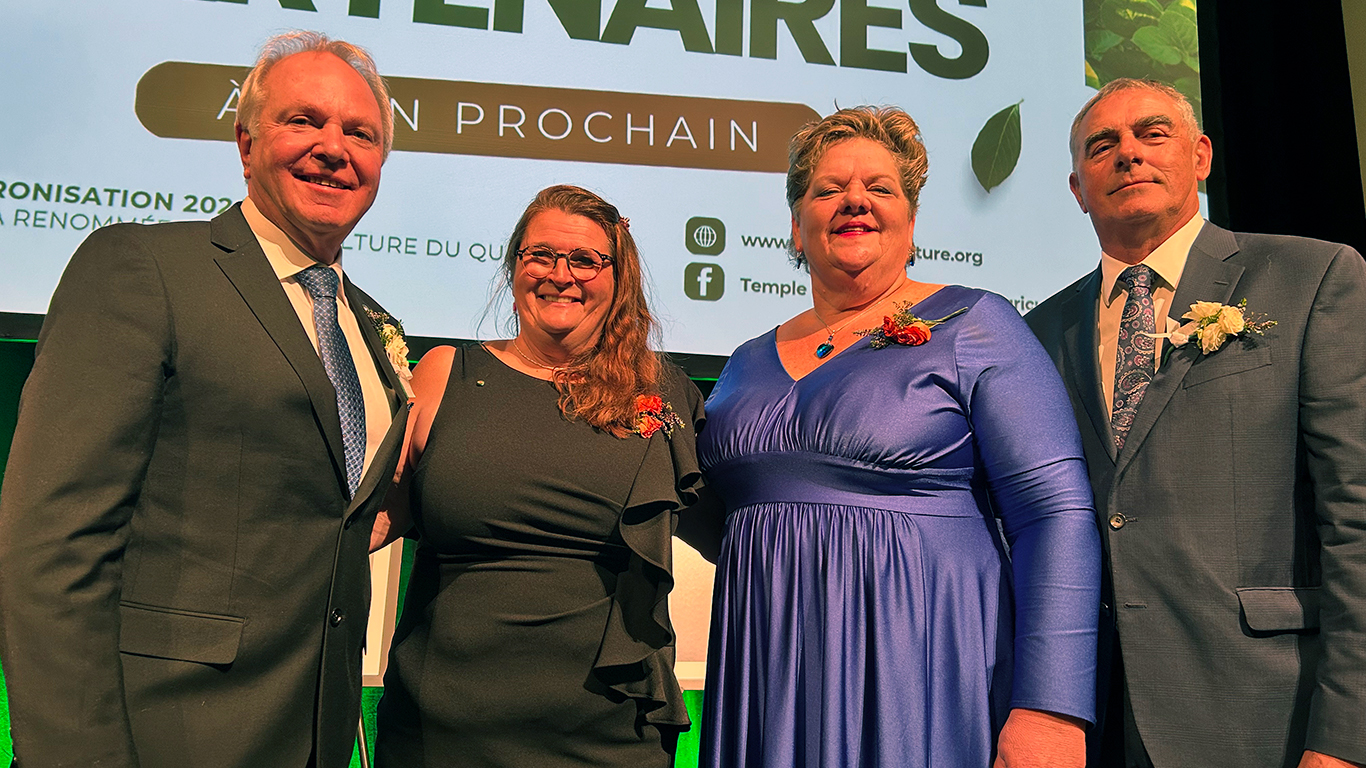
{"points": [[1133, 350], [321, 283]]}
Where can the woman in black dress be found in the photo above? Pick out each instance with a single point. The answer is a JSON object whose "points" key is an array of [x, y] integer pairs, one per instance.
{"points": [[543, 475]]}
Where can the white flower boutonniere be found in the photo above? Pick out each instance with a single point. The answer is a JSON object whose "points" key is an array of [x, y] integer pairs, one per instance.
{"points": [[395, 345], [1212, 324]]}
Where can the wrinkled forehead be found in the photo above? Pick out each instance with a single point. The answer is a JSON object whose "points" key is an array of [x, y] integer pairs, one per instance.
{"points": [[1130, 108]]}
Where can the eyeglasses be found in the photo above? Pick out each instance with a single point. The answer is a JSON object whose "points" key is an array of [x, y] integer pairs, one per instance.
{"points": [[584, 263]]}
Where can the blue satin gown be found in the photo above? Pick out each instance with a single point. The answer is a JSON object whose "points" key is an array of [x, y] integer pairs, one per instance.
{"points": [[910, 551]]}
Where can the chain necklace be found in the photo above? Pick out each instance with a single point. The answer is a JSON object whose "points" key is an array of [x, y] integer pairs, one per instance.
{"points": [[517, 347], [824, 349]]}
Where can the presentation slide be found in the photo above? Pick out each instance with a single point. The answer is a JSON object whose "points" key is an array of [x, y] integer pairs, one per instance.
{"points": [[677, 111]]}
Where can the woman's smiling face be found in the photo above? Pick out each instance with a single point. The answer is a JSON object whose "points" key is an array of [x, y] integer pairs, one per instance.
{"points": [[854, 214], [558, 307]]}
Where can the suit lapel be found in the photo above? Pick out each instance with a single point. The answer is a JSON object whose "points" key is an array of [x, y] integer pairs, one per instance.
{"points": [[245, 265], [1080, 342], [376, 476], [1208, 276], [380, 470], [393, 389]]}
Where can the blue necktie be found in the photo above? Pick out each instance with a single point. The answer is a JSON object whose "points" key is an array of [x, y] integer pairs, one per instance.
{"points": [[321, 283], [1133, 350]]}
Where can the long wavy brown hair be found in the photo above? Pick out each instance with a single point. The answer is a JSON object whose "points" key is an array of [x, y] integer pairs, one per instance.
{"points": [[600, 385]]}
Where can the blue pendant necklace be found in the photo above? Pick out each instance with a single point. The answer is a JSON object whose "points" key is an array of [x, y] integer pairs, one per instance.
{"points": [[824, 349]]}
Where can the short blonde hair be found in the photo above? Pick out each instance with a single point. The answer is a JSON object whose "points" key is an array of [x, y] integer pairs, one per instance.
{"points": [[286, 44], [891, 127]]}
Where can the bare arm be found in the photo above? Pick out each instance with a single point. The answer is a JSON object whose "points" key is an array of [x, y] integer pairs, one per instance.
{"points": [[429, 385]]}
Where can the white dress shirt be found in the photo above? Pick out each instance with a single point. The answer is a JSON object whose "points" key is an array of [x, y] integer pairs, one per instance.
{"points": [[288, 260], [1167, 262]]}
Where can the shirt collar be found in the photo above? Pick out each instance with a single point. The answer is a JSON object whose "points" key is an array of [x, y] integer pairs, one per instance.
{"points": [[1167, 260], [286, 258]]}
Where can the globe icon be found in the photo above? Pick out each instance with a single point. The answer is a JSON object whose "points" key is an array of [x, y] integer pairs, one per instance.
{"points": [[704, 236]]}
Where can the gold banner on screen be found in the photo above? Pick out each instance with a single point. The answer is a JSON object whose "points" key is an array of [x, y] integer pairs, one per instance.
{"points": [[181, 100]]}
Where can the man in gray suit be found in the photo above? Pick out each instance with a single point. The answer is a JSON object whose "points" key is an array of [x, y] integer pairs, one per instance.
{"points": [[1229, 470], [209, 427]]}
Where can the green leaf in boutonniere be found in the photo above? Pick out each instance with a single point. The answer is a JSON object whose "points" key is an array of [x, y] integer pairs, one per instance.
{"points": [[1212, 324], [905, 328], [390, 332], [654, 415]]}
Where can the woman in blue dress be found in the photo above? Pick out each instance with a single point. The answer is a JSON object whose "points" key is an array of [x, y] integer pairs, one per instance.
{"points": [[910, 571]]}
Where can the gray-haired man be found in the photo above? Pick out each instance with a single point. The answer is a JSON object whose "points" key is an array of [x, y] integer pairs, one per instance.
{"points": [[1229, 468], [210, 424]]}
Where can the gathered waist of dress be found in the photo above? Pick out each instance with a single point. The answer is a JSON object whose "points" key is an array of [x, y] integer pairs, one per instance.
{"points": [[799, 477]]}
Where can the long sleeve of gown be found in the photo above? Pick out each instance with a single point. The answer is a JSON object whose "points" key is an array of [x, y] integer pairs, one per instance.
{"points": [[1027, 443]]}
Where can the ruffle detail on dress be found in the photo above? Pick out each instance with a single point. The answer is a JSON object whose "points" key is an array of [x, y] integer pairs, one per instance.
{"points": [[636, 658]]}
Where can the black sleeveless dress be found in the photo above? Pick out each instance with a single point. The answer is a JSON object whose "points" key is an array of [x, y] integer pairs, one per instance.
{"points": [[535, 629]]}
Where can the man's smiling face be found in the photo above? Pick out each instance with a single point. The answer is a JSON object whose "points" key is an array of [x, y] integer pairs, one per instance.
{"points": [[312, 161], [1135, 166]]}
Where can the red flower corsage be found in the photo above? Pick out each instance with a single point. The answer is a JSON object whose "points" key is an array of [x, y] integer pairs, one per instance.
{"points": [[653, 415], [905, 328]]}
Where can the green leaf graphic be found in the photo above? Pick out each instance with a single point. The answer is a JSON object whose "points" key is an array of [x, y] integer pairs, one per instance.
{"points": [[997, 148], [1101, 40], [1143, 38], [1180, 24], [1185, 8], [1190, 88], [1174, 40], [1158, 44], [1092, 79], [1124, 17]]}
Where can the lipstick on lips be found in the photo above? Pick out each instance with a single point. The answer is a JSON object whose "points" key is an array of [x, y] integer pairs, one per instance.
{"points": [[854, 227]]}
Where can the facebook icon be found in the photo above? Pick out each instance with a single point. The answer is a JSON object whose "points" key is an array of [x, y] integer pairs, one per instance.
{"points": [[704, 282]]}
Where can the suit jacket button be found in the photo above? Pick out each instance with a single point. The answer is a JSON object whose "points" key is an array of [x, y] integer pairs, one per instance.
{"points": [[1117, 520], [336, 618]]}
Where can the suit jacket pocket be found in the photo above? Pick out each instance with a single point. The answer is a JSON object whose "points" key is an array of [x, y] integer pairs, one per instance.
{"points": [[1280, 609], [1227, 362], [169, 633]]}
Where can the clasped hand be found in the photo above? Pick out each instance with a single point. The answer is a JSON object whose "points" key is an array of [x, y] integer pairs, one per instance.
{"points": [[1034, 739]]}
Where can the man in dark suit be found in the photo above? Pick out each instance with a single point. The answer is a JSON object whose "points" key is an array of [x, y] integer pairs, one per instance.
{"points": [[1229, 471], [210, 424]]}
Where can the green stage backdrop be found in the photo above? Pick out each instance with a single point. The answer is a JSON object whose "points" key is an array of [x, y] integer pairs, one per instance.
{"points": [[16, 359]]}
